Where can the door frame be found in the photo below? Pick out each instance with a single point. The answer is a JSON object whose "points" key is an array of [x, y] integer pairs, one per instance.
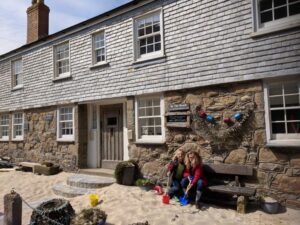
{"points": [[106, 103]]}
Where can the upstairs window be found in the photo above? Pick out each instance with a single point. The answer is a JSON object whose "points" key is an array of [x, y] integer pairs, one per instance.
{"points": [[270, 10], [17, 73], [99, 51], [65, 124], [284, 110], [148, 36], [18, 126], [62, 60], [274, 15], [4, 127]]}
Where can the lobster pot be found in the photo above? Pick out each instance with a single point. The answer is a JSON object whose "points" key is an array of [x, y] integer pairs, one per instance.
{"points": [[58, 210]]}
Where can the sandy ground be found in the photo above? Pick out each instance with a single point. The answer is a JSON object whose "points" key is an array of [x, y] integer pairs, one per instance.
{"points": [[126, 205]]}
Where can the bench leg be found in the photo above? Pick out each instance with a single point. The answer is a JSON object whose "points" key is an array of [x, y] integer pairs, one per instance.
{"points": [[242, 204]]}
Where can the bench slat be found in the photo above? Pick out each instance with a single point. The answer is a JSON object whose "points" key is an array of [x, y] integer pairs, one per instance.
{"points": [[244, 191], [231, 169]]}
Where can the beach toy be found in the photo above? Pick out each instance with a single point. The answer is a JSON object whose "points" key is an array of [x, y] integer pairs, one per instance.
{"points": [[158, 189], [184, 200], [238, 116], [210, 119], [228, 120], [94, 199], [166, 199], [202, 114]]}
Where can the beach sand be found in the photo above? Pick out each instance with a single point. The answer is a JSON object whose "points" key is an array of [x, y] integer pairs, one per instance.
{"points": [[126, 205]]}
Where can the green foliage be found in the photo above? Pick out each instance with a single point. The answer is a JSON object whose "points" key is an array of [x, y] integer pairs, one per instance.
{"points": [[144, 182]]}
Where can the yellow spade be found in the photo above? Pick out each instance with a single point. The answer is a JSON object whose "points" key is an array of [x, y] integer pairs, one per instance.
{"points": [[94, 199]]}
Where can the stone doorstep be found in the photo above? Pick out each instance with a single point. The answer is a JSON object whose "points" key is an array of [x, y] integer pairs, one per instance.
{"points": [[97, 172], [67, 191], [87, 181]]}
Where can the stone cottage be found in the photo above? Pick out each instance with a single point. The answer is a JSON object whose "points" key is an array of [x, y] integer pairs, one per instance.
{"points": [[152, 76]]}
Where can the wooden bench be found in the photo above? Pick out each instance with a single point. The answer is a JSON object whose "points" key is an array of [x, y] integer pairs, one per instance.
{"points": [[225, 179]]}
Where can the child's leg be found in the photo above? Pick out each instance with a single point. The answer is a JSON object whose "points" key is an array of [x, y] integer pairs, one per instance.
{"points": [[174, 188], [199, 190], [184, 183]]}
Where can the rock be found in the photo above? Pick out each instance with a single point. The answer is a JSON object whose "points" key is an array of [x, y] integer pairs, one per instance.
{"points": [[259, 101], [286, 184], [226, 100], [194, 100], [237, 156], [271, 167], [246, 98], [207, 102], [241, 204], [291, 203], [259, 137], [252, 158], [267, 155], [212, 94], [259, 118], [191, 146], [295, 161], [248, 87], [179, 138], [216, 108], [152, 168], [218, 160]]}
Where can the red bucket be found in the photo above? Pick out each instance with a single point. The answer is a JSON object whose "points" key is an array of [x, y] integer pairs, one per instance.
{"points": [[166, 199]]}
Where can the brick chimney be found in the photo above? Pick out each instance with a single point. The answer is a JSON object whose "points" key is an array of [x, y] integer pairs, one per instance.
{"points": [[37, 21]]}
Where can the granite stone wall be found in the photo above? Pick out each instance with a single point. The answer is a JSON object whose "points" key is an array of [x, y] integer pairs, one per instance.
{"points": [[40, 141], [277, 170]]}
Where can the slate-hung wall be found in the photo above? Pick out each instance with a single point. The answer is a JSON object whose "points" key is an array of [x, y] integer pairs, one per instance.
{"points": [[206, 42]]}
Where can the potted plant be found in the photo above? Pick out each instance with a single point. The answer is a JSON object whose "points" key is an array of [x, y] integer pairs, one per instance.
{"points": [[269, 205], [145, 183]]}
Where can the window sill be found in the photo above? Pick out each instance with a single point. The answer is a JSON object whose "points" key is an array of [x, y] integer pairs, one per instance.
{"points": [[62, 78], [150, 60], [4, 140], [283, 143], [98, 65], [276, 28], [65, 140], [18, 139], [19, 87], [150, 142]]}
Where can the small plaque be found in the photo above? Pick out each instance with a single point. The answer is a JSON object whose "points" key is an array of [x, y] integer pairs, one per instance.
{"points": [[179, 107], [177, 119]]}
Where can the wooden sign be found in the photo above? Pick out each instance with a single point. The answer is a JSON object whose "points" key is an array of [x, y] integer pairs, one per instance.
{"points": [[177, 118], [179, 107]]}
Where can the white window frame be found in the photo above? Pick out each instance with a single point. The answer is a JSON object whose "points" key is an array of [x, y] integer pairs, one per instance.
{"points": [[155, 139], [95, 63], [4, 138], [272, 26], [278, 140], [55, 61], [153, 55], [65, 138], [14, 74], [17, 137]]}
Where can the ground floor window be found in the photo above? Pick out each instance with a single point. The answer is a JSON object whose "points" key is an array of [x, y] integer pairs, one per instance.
{"points": [[149, 119], [4, 127], [65, 126], [18, 126], [283, 109]]}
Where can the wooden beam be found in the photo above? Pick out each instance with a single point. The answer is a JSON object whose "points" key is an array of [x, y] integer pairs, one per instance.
{"points": [[231, 169]]}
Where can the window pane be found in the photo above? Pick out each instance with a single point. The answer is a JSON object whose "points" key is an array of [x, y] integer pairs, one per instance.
{"points": [[142, 42], [150, 40], [275, 89], [157, 121], [276, 102], [293, 127], [157, 111], [279, 2], [265, 4], [266, 17], [293, 114], [278, 128], [291, 88], [157, 130], [150, 130], [149, 30], [142, 112], [141, 32], [156, 28], [280, 13], [149, 112], [294, 9], [157, 47], [157, 38], [143, 50], [150, 48], [142, 103], [277, 115], [292, 100]]}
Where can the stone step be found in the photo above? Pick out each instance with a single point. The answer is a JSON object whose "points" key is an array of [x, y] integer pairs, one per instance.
{"points": [[90, 182], [98, 172], [67, 191]]}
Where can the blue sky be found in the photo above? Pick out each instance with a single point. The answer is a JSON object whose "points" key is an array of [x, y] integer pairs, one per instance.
{"points": [[63, 13]]}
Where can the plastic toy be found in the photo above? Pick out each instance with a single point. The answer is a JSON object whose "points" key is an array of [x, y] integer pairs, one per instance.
{"points": [[202, 114], [238, 116], [166, 199], [228, 120], [94, 199], [158, 189], [210, 119]]}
